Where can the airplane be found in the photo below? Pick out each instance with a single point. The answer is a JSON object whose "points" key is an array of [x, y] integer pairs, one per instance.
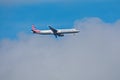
{"points": [[53, 31]]}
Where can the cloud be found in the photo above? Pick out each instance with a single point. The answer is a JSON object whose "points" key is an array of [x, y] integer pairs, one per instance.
{"points": [[92, 54]]}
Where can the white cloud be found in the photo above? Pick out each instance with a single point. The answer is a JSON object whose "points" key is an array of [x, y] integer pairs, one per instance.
{"points": [[92, 54]]}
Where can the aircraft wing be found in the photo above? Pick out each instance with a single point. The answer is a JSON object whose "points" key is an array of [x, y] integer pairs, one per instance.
{"points": [[54, 31]]}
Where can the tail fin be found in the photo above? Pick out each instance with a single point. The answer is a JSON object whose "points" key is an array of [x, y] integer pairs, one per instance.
{"points": [[33, 28]]}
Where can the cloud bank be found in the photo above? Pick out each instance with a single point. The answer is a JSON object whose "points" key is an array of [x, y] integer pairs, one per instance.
{"points": [[93, 54]]}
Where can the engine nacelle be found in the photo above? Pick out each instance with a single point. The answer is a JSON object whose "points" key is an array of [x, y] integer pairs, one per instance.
{"points": [[61, 35]]}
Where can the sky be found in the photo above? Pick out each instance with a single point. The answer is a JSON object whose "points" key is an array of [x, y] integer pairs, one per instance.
{"points": [[18, 15], [91, 54]]}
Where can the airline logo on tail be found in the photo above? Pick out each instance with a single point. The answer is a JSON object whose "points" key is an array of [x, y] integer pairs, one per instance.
{"points": [[35, 30], [55, 32]]}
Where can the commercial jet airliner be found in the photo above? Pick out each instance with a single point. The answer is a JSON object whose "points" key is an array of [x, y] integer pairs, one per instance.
{"points": [[53, 31]]}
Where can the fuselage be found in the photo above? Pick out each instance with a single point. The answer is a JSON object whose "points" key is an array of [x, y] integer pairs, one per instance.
{"points": [[59, 31]]}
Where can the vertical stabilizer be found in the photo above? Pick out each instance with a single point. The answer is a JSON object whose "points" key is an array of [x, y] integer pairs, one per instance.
{"points": [[33, 27]]}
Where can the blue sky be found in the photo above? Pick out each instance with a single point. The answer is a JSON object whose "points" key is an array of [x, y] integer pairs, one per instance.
{"points": [[16, 17]]}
